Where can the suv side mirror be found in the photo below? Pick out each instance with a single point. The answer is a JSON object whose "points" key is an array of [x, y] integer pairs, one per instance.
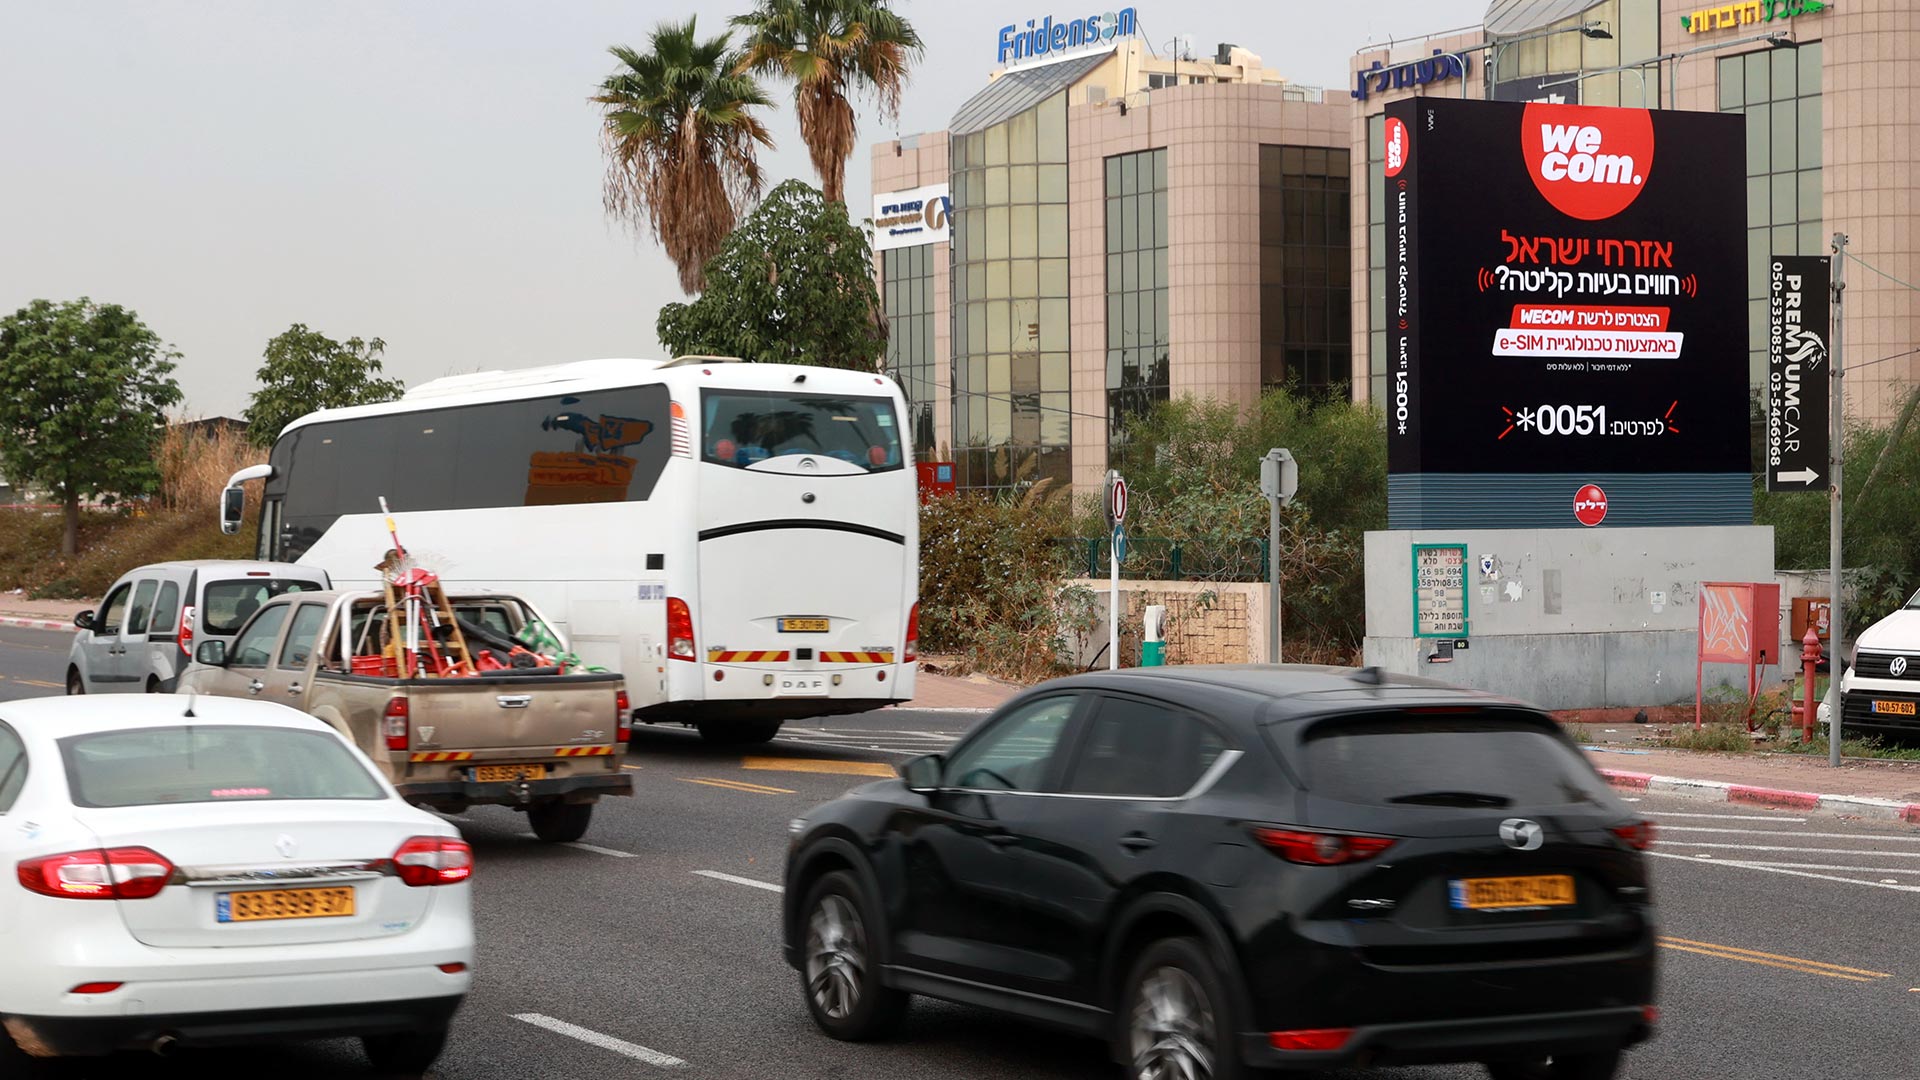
{"points": [[84, 620], [922, 774], [212, 653], [233, 506]]}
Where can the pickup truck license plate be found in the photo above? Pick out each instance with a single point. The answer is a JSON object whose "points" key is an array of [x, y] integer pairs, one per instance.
{"points": [[261, 905], [1492, 894], [1898, 708], [493, 773], [805, 626], [800, 686]]}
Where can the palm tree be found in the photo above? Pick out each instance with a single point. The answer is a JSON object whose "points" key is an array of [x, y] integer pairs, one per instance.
{"points": [[680, 143], [828, 47]]}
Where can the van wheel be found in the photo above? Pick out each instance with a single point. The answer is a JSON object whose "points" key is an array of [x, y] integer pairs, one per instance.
{"points": [[74, 686], [404, 1055], [560, 823], [738, 732], [839, 974], [153, 685], [1175, 1019], [1601, 1066]]}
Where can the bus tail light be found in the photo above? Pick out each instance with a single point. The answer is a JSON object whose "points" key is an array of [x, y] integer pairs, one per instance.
{"points": [[395, 724], [679, 629], [912, 651], [622, 721]]}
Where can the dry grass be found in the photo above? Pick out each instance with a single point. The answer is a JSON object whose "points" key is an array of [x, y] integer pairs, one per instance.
{"points": [[194, 467]]}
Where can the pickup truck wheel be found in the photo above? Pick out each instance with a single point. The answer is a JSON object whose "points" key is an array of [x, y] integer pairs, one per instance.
{"points": [[560, 823], [738, 732]]}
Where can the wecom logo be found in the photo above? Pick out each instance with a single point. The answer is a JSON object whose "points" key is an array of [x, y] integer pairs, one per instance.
{"points": [[1397, 143], [1590, 162]]}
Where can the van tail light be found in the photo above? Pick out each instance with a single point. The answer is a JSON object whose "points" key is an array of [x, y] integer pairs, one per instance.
{"points": [[913, 635], [394, 724], [185, 634], [127, 873], [679, 629], [1639, 835], [1310, 848], [433, 860], [622, 717]]}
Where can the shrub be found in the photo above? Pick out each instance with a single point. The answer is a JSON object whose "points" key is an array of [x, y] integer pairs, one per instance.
{"points": [[991, 579], [1708, 737]]}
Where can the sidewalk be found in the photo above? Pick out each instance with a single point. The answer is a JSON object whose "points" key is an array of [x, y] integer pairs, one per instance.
{"points": [[17, 610], [970, 693]]}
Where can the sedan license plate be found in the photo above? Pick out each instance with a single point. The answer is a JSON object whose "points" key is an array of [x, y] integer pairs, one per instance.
{"points": [[1509, 893], [493, 773], [801, 686], [261, 905], [805, 625], [1898, 708]]}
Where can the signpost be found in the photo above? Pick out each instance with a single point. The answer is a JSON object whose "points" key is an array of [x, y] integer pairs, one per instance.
{"points": [[1797, 309], [1279, 479], [1116, 517]]}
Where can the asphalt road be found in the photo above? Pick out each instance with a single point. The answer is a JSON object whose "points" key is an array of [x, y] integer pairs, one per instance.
{"points": [[652, 948]]}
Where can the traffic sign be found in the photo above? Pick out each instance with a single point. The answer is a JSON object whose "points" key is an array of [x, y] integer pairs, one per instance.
{"points": [[1119, 544], [1116, 498]]}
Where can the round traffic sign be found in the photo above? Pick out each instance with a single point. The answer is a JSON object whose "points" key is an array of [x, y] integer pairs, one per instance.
{"points": [[1117, 500]]}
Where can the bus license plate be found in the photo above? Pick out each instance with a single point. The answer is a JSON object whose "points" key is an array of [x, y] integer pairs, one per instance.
{"points": [[801, 686], [1485, 894], [805, 626], [1898, 708]]}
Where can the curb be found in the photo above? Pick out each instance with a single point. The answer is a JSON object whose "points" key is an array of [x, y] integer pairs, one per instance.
{"points": [[35, 624], [1721, 791]]}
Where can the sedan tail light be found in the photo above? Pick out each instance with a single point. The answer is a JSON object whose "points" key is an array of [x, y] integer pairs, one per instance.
{"points": [[1639, 835], [433, 860], [1310, 848], [679, 630], [622, 718], [395, 724], [128, 873]]}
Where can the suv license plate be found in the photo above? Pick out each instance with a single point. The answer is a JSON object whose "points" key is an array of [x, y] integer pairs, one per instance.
{"points": [[1897, 708], [1510, 893], [800, 686]]}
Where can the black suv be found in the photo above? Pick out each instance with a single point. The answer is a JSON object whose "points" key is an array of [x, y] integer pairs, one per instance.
{"points": [[1225, 868]]}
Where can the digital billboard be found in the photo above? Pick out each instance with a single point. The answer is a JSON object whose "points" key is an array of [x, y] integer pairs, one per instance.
{"points": [[1566, 307]]}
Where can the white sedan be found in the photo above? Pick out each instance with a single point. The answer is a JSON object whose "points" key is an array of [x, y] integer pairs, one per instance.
{"points": [[180, 872]]}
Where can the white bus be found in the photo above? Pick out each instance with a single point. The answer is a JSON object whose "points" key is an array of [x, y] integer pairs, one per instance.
{"points": [[740, 540]]}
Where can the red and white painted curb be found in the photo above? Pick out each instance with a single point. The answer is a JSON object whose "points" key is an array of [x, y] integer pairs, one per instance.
{"points": [[36, 624], [1721, 791]]}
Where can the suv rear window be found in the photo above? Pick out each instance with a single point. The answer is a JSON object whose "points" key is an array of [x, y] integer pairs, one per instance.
{"points": [[740, 427], [211, 763], [1445, 760], [226, 605]]}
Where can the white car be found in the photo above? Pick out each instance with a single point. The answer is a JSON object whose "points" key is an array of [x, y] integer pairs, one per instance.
{"points": [[179, 871]]}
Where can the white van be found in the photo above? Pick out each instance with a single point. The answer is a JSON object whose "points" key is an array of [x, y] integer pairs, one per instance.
{"points": [[1880, 692]]}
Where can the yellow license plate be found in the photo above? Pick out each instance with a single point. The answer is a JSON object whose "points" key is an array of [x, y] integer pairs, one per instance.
{"points": [[804, 626], [1898, 708], [264, 904], [488, 773], [1494, 893]]}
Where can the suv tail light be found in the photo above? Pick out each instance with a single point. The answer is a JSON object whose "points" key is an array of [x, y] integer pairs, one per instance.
{"points": [[394, 724], [622, 719], [1310, 1039], [913, 635], [679, 629], [185, 634], [128, 873], [433, 860], [1639, 835], [1310, 848]]}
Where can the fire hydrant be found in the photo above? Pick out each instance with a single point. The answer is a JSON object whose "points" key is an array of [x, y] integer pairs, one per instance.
{"points": [[1809, 659]]}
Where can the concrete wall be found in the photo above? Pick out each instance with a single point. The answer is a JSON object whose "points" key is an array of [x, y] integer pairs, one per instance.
{"points": [[1568, 618], [1208, 622]]}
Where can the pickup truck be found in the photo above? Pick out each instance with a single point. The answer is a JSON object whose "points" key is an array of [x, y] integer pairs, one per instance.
{"points": [[541, 742]]}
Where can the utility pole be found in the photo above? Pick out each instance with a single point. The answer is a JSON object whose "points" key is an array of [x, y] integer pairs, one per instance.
{"points": [[1279, 479], [1836, 624]]}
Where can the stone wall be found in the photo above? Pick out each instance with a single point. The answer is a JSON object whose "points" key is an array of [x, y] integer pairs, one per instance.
{"points": [[1208, 622]]}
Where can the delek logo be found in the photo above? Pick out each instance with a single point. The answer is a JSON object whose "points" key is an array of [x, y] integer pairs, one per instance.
{"points": [[1590, 505], [1589, 162], [1397, 145]]}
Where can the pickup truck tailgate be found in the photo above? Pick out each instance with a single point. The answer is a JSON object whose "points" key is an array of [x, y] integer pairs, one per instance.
{"points": [[531, 711]]}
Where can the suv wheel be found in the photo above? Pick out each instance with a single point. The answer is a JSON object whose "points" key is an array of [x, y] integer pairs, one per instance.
{"points": [[1600, 1066], [1177, 1026], [560, 823], [74, 686], [838, 976], [404, 1055]]}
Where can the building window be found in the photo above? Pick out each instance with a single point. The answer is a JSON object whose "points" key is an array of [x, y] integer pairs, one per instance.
{"points": [[1560, 54], [1157, 81], [1778, 91], [1305, 291], [1012, 406], [1137, 327], [908, 273]]}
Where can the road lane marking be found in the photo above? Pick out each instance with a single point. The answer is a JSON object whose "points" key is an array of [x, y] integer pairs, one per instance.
{"points": [[1717, 954], [1825, 866], [1796, 873], [811, 765], [37, 682], [1807, 835], [604, 1042], [735, 785], [589, 847], [1801, 960], [635, 768], [1782, 847], [718, 876], [1733, 817]]}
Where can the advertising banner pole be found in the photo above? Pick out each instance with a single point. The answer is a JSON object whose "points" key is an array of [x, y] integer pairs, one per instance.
{"points": [[1836, 631]]}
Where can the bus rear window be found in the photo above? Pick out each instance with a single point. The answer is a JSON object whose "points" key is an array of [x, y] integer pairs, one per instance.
{"points": [[741, 427]]}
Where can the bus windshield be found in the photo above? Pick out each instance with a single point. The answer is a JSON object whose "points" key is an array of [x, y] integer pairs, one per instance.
{"points": [[741, 427]]}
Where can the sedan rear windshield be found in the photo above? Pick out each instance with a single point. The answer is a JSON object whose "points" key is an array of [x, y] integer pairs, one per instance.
{"points": [[212, 763], [227, 605], [1477, 759], [741, 427]]}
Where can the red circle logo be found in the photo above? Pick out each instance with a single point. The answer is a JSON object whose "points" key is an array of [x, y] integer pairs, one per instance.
{"points": [[1590, 505], [1398, 144], [1590, 162]]}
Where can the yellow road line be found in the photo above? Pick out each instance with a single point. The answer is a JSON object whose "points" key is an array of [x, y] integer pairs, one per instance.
{"points": [[635, 768], [818, 765], [1776, 956], [735, 785], [37, 682]]}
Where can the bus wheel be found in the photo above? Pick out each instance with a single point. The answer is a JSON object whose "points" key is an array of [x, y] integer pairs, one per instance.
{"points": [[738, 732]]}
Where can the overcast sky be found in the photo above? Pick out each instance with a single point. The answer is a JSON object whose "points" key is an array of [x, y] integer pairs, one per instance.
{"points": [[425, 172]]}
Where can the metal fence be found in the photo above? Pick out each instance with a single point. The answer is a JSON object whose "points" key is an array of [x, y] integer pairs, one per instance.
{"points": [[1162, 559]]}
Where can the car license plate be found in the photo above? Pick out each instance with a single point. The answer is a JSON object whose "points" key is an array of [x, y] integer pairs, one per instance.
{"points": [[1493, 894], [261, 905], [1898, 708], [801, 686], [494, 773], [805, 626]]}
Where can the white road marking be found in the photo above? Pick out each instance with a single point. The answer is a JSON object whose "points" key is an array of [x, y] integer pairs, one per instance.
{"points": [[1732, 817], [1825, 866], [595, 849], [1797, 873], [718, 876], [604, 1042], [1811, 835], [1806, 850]]}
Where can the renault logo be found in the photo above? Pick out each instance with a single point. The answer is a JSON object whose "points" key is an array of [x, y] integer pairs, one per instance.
{"points": [[1898, 667], [1521, 834]]}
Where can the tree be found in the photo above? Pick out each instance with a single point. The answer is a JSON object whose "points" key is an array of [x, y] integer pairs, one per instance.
{"points": [[828, 47], [84, 390], [792, 285], [306, 370], [680, 143]]}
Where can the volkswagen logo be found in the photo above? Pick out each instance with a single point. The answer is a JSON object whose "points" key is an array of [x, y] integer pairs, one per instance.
{"points": [[286, 847], [1898, 668], [1521, 834]]}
